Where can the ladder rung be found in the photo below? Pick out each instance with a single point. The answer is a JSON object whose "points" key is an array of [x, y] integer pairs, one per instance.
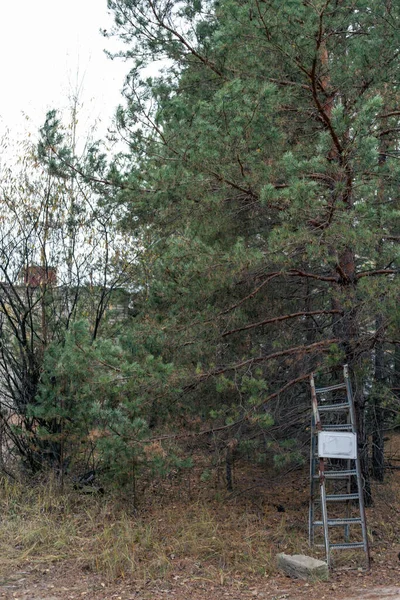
{"points": [[336, 522], [341, 427], [341, 497], [347, 546], [340, 474], [337, 474], [334, 407], [331, 388]]}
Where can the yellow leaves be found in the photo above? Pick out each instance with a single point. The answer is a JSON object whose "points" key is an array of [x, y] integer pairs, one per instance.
{"points": [[154, 450], [97, 434]]}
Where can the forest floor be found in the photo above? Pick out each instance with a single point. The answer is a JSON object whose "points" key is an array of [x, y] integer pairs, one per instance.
{"points": [[190, 540]]}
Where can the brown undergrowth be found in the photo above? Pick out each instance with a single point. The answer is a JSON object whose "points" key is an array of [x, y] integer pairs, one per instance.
{"points": [[190, 528]]}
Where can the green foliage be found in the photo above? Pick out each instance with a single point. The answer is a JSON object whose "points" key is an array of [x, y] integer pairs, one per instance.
{"points": [[264, 154], [94, 399], [260, 187], [256, 152]]}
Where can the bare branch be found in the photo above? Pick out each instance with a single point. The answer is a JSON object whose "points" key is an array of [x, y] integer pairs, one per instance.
{"points": [[377, 272], [300, 273]]}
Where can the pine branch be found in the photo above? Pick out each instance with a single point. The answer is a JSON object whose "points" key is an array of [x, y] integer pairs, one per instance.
{"points": [[394, 113], [304, 349], [377, 272], [250, 296], [300, 273], [184, 42], [193, 434], [283, 318]]}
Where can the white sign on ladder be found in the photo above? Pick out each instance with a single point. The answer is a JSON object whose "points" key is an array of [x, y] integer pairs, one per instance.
{"points": [[337, 444]]}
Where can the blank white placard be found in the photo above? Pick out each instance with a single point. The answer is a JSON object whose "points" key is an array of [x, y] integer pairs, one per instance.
{"points": [[337, 444]]}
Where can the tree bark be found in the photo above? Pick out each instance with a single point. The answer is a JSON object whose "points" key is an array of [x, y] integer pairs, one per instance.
{"points": [[378, 444]]}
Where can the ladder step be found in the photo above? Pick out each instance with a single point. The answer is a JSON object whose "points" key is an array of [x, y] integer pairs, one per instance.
{"points": [[334, 407], [336, 522], [331, 388], [338, 474], [347, 546], [341, 497], [341, 427]]}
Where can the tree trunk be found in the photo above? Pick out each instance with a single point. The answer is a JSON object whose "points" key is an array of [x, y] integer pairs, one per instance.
{"points": [[378, 445], [230, 450], [378, 417], [345, 327], [359, 405]]}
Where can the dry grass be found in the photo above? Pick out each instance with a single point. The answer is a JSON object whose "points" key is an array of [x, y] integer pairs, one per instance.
{"points": [[205, 539], [212, 538]]}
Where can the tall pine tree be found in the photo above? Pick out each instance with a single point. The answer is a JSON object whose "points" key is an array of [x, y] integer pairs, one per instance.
{"points": [[265, 177]]}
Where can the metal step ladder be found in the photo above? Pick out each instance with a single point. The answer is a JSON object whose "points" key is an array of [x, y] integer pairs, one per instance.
{"points": [[335, 479]]}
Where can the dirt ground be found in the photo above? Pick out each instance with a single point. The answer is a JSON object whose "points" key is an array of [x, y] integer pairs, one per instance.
{"points": [[62, 582]]}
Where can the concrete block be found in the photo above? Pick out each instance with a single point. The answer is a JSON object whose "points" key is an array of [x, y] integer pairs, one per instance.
{"points": [[300, 566]]}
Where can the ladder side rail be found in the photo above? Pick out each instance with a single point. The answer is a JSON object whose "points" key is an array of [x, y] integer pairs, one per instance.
{"points": [[312, 483], [314, 401], [349, 465], [350, 397], [325, 522], [318, 427], [314, 420]]}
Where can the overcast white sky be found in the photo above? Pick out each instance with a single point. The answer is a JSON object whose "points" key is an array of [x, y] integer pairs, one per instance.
{"points": [[45, 47]]}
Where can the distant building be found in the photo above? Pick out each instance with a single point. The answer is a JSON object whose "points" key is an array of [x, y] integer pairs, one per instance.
{"points": [[36, 275]]}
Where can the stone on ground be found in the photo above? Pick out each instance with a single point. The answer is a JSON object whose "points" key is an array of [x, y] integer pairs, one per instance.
{"points": [[300, 566]]}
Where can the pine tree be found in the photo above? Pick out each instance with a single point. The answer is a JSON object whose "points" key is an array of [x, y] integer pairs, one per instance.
{"points": [[265, 172]]}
